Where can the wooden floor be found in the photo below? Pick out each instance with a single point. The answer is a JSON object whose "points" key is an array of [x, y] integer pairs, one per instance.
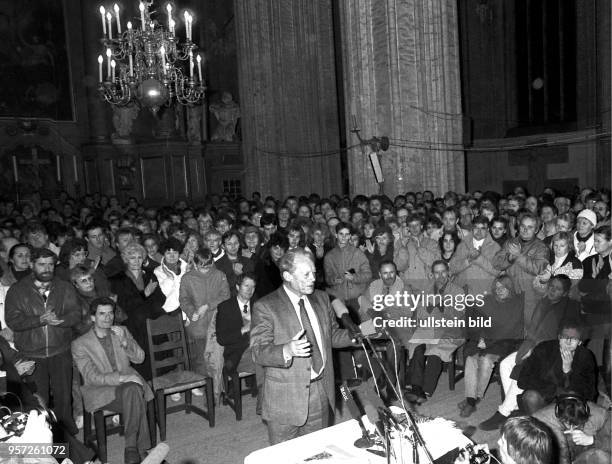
{"points": [[192, 441]]}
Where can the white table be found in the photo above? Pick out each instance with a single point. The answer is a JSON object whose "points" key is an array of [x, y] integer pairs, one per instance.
{"points": [[338, 441]]}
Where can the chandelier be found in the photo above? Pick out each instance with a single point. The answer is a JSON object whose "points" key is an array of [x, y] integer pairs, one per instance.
{"points": [[143, 64]]}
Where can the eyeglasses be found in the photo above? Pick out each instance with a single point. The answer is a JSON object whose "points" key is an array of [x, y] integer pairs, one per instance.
{"points": [[85, 280]]}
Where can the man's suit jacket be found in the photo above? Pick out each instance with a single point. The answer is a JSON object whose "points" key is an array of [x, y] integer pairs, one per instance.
{"points": [[99, 379], [286, 383], [229, 323]]}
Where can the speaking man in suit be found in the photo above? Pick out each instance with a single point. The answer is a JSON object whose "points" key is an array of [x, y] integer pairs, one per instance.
{"points": [[293, 331], [103, 357]]}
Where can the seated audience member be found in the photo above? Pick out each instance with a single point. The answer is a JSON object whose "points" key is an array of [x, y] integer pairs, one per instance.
{"points": [[103, 356], [522, 258], [558, 366], [551, 311], [548, 217], [347, 270], [193, 243], [213, 241], [202, 290], [116, 265], [19, 263], [472, 263], [371, 304], [430, 346], [487, 345], [584, 242], [319, 243], [602, 210], [499, 230], [555, 307], [74, 253], [98, 244], [267, 269], [581, 429], [170, 272], [234, 326], [387, 249], [450, 223], [151, 244], [562, 261], [233, 264], [252, 243], [35, 234], [448, 243], [268, 225], [596, 287]]}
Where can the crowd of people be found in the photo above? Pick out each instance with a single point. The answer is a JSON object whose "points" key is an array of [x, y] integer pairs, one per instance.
{"points": [[81, 277]]}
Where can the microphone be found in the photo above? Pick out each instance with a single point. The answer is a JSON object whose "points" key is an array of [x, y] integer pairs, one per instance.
{"points": [[365, 441]]}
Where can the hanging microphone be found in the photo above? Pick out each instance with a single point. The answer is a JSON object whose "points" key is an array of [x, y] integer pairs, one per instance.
{"points": [[365, 441]]}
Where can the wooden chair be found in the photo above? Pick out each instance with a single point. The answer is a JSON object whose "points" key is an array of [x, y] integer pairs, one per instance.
{"points": [[102, 431], [232, 384], [454, 368], [172, 374]]}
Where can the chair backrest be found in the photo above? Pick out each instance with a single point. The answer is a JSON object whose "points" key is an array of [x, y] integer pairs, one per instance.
{"points": [[167, 344]]}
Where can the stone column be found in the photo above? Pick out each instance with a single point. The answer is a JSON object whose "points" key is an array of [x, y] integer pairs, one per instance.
{"points": [[402, 80], [288, 98]]}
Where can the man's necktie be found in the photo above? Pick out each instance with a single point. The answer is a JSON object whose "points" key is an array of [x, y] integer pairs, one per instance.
{"points": [[317, 359], [245, 310]]}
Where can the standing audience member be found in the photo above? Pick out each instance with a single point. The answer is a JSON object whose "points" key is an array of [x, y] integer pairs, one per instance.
{"points": [[347, 270], [42, 310], [201, 291], [522, 258], [472, 263]]}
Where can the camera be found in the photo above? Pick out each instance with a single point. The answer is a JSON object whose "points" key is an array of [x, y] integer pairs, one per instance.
{"points": [[14, 424], [477, 456]]}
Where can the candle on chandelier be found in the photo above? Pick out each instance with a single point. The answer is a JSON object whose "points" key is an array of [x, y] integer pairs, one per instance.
{"points": [[190, 64], [141, 7], [162, 52], [187, 25], [116, 8], [131, 65], [103, 14], [113, 65], [100, 61], [15, 174], [169, 10], [172, 24], [109, 18], [108, 63], [199, 59]]}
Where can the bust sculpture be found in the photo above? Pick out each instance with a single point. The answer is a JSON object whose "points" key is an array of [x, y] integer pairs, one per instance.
{"points": [[227, 113]]}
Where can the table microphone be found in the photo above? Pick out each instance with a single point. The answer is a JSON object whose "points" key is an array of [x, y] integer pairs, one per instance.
{"points": [[365, 441]]}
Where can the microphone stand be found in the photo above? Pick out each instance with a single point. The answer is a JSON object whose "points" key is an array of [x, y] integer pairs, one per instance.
{"points": [[417, 438]]}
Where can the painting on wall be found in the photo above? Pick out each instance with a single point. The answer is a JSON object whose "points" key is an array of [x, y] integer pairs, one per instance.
{"points": [[35, 71]]}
